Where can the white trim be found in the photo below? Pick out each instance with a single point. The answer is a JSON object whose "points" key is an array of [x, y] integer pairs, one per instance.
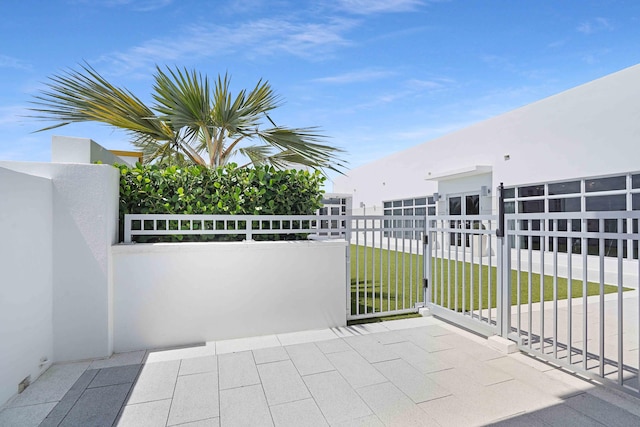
{"points": [[460, 173]]}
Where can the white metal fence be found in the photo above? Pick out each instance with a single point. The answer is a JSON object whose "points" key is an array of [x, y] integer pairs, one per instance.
{"points": [[563, 286]]}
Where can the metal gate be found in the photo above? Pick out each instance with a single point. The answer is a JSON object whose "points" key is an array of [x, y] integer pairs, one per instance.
{"points": [[563, 286], [385, 265]]}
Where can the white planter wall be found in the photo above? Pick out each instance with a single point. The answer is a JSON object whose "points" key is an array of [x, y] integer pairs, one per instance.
{"points": [[26, 291], [185, 293]]}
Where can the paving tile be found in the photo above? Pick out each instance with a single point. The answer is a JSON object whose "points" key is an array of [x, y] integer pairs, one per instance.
{"points": [[155, 356], [97, 407], [149, 414], [211, 422], [410, 381], [447, 411], [115, 375], [414, 322], [155, 382], [119, 359], [359, 330], [477, 351], [604, 412], [51, 386], [298, 414], [306, 336], [419, 358], [533, 377], [245, 344], [244, 406], [308, 359], [520, 396], [282, 382], [368, 421], [271, 354], [562, 415], [355, 369], [520, 420], [393, 407], [336, 399], [198, 365], [390, 337], [63, 407], [25, 416], [195, 398], [333, 346], [422, 338], [370, 349], [237, 370]]}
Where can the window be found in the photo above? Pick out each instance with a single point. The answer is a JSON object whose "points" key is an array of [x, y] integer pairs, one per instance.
{"points": [[605, 184], [531, 206], [564, 188], [531, 191], [571, 204], [635, 181], [616, 202], [509, 193]]}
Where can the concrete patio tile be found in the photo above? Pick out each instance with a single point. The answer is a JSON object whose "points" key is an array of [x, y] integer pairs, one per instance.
{"points": [[357, 371], [282, 382], [479, 351], [521, 396], [533, 377], [308, 359], [119, 359], [298, 414], [211, 422], [25, 416], [195, 398], [419, 358], [393, 407], [306, 336], [533, 362], [198, 365], [63, 407], [484, 374], [97, 406], [245, 344], [562, 415], [370, 349], [333, 346], [145, 414], [357, 330], [155, 382], [155, 356], [410, 381], [456, 381], [268, 355], [520, 420], [390, 337], [335, 397], [244, 406], [617, 398], [237, 370], [447, 411], [414, 322], [604, 412], [51, 386], [368, 421], [115, 375]]}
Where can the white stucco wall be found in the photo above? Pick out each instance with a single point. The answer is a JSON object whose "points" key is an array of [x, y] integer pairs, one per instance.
{"points": [[186, 293], [26, 291], [68, 149], [84, 216], [590, 130]]}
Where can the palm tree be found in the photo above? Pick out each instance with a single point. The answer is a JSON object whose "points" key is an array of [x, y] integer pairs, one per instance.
{"points": [[188, 121]]}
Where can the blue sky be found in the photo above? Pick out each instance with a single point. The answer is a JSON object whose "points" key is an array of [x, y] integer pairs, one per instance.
{"points": [[377, 76]]}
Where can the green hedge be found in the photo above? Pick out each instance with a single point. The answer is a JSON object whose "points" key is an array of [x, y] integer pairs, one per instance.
{"points": [[226, 190]]}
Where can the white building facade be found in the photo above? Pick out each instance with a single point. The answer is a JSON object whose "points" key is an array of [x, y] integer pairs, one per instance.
{"points": [[575, 151]]}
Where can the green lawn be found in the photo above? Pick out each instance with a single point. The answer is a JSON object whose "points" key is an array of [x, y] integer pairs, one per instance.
{"points": [[392, 266]]}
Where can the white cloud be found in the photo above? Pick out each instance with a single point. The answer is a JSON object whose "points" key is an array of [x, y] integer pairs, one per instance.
{"points": [[366, 7], [595, 25], [11, 62], [312, 41], [356, 77]]}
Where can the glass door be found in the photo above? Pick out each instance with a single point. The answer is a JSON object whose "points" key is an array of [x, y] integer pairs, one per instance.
{"points": [[463, 204]]}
